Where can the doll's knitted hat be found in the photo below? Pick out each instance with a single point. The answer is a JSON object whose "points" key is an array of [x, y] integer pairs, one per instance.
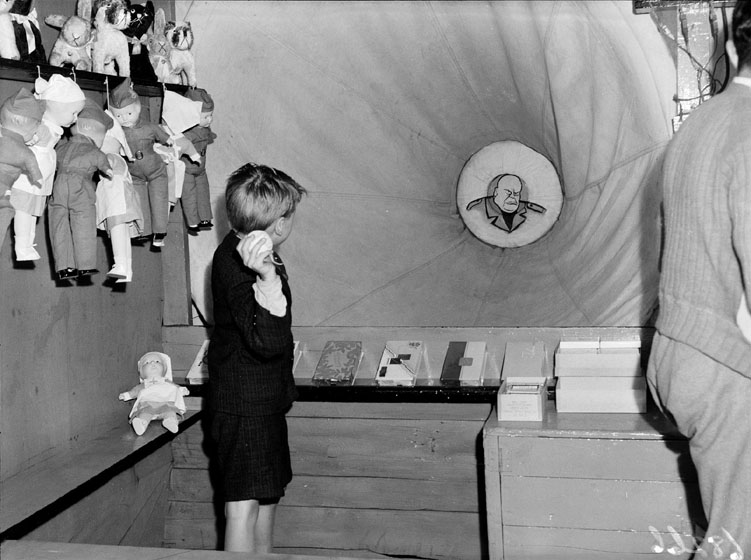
{"points": [[123, 95], [198, 94], [92, 111], [23, 104], [58, 88], [164, 358]]}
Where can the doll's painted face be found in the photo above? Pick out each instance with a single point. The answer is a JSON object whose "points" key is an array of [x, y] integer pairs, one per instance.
{"points": [[63, 113], [127, 116], [207, 118], [24, 126], [91, 128], [152, 367]]}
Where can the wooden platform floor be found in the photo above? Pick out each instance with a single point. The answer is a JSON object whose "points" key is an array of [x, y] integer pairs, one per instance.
{"points": [[33, 550]]}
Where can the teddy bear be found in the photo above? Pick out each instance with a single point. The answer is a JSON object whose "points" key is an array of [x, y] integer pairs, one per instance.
{"points": [[28, 38], [157, 396], [74, 44], [8, 47], [110, 53]]}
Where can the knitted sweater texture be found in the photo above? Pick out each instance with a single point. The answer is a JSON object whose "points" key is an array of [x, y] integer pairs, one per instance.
{"points": [[706, 187]]}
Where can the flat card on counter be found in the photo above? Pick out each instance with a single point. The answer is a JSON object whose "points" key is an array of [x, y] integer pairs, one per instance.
{"points": [[199, 371], [338, 362], [464, 363], [400, 362]]}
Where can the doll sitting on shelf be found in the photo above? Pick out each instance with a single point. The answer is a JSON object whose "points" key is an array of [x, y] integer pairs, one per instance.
{"points": [[157, 397]]}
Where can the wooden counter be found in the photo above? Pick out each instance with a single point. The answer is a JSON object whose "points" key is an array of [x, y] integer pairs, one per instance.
{"points": [[587, 486]]}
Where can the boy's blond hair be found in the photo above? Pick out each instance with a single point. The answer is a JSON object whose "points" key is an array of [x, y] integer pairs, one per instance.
{"points": [[257, 195]]}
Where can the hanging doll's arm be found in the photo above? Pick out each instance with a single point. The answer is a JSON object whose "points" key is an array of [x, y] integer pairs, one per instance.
{"points": [[187, 148], [132, 394], [103, 164], [15, 154]]}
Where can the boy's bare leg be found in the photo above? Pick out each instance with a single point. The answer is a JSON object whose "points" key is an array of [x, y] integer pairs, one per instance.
{"points": [[264, 535], [239, 533]]}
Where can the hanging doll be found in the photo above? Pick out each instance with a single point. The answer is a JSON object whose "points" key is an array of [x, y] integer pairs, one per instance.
{"points": [[63, 100], [196, 195], [72, 207], [117, 206], [157, 397], [20, 118], [148, 170]]}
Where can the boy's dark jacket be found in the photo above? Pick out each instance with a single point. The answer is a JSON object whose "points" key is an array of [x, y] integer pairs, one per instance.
{"points": [[251, 351]]}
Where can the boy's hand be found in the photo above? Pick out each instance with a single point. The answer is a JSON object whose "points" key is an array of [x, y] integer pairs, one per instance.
{"points": [[253, 250]]}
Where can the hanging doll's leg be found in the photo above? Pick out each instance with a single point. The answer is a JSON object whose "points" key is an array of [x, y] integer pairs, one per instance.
{"points": [[121, 251], [203, 197], [24, 228], [83, 229], [59, 232], [189, 203], [159, 202], [170, 421]]}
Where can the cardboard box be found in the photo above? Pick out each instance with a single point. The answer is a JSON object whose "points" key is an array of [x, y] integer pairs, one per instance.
{"points": [[339, 362], [522, 399], [598, 358], [524, 358], [601, 394]]}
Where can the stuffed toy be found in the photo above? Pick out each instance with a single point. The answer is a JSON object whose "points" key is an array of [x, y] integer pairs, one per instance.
{"points": [[148, 170], [180, 36], [196, 201], [26, 31], [117, 206], [8, 47], [20, 117], [157, 396], [110, 53], [72, 206], [159, 50], [63, 100], [141, 21], [73, 46]]}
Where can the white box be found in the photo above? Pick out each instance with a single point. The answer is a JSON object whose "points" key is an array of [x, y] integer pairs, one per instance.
{"points": [[524, 358], [601, 394], [522, 399], [608, 358]]}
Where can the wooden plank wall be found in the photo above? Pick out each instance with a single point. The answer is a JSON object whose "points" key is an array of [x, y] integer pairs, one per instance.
{"points": [[370, 479]]}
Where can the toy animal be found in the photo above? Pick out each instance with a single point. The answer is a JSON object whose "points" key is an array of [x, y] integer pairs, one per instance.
{"points": [[141, 21], [159, 49], [110, 53], [73, 45], [8, 48], [180, 36], [26, 31]]}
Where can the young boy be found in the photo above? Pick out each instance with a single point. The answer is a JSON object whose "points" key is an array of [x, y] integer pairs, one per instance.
{"points": [[251, 354]]}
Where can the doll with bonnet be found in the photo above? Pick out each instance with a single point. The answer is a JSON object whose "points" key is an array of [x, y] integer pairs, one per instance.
{"points": [[195, 200], [157, 396], [63, 100], [20, 117], [118, 209], [72, 207], [148, 170]]}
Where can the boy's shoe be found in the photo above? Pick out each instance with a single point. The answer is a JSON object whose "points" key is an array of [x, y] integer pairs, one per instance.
{"points": [[87, 272], [158, 239], [67, 273], [205, 224], [193, 230]]}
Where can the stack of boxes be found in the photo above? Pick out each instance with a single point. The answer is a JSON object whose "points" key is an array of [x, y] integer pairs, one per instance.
{"points": [[600, 376], [523, 391]]}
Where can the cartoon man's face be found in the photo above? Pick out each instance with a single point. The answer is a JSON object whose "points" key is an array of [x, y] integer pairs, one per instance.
{"points": [[508, 192]]}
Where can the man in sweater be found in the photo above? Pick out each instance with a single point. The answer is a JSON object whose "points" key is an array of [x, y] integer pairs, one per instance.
{"points": [[700, 365]]}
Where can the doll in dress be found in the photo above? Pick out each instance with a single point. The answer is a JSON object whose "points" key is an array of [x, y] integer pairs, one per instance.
{"points": [[117, 206], [20, 117], [63, 100], [157, 397], [148, 170], [72, 206], [196, 195]]}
